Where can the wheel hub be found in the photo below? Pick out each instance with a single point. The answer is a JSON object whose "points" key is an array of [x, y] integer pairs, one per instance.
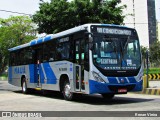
{"points": [[67, 90], [24, 87]]}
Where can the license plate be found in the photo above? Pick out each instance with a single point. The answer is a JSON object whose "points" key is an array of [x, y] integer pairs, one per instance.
{"points": [[122, 90]]}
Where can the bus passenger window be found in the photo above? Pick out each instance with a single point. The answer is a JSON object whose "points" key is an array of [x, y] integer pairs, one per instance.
{"points": [[63, 51], [45, 59]]}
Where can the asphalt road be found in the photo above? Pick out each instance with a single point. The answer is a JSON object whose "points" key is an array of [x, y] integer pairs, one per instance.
{"points": [[12, 99]]}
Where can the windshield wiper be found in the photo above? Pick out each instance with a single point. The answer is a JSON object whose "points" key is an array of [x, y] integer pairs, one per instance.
{"points": [[126, 43], [123, 49]]}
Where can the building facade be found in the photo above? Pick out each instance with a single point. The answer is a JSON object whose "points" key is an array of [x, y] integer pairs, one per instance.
{"points": [[158, 31], [141, 15]]}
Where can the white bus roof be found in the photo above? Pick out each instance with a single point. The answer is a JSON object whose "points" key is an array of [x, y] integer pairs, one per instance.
{"points": [[60, 34]]}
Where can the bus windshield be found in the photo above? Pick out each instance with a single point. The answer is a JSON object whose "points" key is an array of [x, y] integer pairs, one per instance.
{"points": [[116, 52]]}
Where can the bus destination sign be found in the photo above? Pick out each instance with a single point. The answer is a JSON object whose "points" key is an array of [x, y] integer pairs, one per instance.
{"points": [[113, 31]]}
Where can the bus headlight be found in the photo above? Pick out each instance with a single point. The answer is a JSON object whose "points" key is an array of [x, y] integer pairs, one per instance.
{"points": [[97, 77]]}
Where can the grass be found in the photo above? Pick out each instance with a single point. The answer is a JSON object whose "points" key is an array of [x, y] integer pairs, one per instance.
{"points": [[152, 71], [4, 75]]}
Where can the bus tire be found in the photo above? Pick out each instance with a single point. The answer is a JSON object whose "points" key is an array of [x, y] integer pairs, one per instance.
{"points": [[24, 86], [68, 95], [107, 96]]}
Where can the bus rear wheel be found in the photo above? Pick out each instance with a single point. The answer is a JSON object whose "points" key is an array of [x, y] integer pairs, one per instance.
{"points": [[68, 95], [107, 96], [24, 86]]}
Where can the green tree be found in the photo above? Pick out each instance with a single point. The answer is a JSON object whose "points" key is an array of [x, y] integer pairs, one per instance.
{"points": [[59, 15], [144, 55], [143, 51], [14, 31], [155, 52]]}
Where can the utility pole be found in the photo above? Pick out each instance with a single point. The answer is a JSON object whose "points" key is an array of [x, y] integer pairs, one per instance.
{"points": [[134, 13], [147, 59]]}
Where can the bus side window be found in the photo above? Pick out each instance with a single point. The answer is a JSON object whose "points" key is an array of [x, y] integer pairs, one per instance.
{"points": [[30, 56], [45, 52], [12, 59], [49, 51], [63, 51], [51, 54]]}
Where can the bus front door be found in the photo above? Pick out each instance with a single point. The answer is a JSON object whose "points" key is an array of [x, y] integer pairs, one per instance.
{"points": [[37, 67], [77, 77], [79, 65]]}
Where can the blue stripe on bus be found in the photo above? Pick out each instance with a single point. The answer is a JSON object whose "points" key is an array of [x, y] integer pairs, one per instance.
{"points": [[41, 74], [47, 38], [123, 78], [10, 74], [32, 73], [112, 80], [97, 87], [33, 42], [39, 40], [132, 79], [138, 86], [51, 78]]}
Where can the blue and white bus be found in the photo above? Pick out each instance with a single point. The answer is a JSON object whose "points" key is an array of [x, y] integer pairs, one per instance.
{"points": [[88, 59]]}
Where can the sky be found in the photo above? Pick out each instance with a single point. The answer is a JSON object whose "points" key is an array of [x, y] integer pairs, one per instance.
{"points": [[31, 6]]}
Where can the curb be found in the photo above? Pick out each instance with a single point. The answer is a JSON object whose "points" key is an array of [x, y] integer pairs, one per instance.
{"points": [[150, 91]]}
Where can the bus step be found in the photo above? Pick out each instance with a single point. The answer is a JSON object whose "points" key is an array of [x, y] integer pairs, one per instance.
{"points": [[38, 88], [79, 92]]}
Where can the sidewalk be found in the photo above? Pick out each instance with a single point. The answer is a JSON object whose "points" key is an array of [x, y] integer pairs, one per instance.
{"points": [[153, 89], [3, 78]]}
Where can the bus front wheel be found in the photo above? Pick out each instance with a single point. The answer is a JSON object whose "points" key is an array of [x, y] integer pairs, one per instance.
{"points": [[68, 95]]}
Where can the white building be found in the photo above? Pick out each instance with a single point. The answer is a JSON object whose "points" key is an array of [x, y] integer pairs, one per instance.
{"points": [[141, 15], [158, 30]]}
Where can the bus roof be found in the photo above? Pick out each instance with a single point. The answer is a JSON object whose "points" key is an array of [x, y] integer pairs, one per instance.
{"points": [[60, 34]]}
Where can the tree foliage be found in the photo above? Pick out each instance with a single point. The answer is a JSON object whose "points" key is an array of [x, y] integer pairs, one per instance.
{"points": [[14, 31], [59, 15], [144, 55], [155, 52], [143, 51]]}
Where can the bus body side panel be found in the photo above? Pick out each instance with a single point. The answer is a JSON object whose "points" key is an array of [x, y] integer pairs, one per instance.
{"points": [[48, 76], [86, 81], [10, 75], [32, 76], [51, 73], [32, 73], [16, 73]]}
